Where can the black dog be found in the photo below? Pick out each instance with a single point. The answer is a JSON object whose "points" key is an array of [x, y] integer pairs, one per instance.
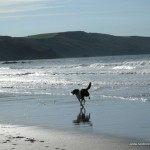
{"points": [[80, 94]]}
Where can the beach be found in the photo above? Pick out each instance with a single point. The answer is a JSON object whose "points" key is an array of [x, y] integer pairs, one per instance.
{"points": [[29, 138], [38, 110], [41, 124], [13, 137]]}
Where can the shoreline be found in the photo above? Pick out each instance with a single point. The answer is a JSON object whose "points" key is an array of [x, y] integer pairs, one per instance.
{"points": [[112, 118], [33, 138], [37, 110]]}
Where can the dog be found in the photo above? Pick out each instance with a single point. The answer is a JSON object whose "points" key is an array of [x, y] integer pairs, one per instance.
{"points": [[80, 94]]}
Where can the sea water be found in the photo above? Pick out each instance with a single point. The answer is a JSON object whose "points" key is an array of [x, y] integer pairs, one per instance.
{"points": [[119, 77], [38, 92]]}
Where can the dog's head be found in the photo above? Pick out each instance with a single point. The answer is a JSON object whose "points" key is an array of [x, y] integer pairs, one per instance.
{"points": [[75, 91]]}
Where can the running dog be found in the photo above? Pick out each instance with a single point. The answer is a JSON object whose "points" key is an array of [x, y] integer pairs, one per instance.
{"points": [[80, 94]]}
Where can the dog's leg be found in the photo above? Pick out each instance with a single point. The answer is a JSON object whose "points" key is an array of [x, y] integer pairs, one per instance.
{"points": [[83, 101]]}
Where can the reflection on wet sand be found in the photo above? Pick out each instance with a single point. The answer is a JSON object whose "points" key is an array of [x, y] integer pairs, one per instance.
{"points": [[82, 118]]}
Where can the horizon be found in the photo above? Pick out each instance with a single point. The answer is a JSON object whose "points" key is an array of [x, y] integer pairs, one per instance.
{"points": [[21, 18], [72, 31]]}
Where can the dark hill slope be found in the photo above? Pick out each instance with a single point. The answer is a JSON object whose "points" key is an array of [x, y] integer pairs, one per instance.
{"points": [[71, 44]]}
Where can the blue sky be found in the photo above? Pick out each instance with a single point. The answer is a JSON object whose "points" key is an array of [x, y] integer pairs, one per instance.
{"points": [[116, 17]]}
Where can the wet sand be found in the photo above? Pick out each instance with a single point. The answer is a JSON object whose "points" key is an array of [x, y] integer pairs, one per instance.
{"points": [[29, 138], [54, 122]]}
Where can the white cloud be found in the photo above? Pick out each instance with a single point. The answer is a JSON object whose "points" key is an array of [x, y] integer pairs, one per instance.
{"points": [[20, 1], [14, 6], [25, 8], [37, 8], [44, 14], [10, 2]]}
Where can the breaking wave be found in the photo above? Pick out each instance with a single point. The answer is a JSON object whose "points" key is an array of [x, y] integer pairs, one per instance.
{"points": [[108, 75]]}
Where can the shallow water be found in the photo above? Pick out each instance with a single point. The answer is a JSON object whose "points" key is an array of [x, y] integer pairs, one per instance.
{"points": [[112, 117], [37, 93], [121, 77]]}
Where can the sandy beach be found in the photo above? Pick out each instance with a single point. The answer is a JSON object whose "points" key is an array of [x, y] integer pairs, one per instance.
{"points": [[29, 138]]}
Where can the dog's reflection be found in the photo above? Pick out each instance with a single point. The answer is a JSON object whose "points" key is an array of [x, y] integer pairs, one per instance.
{"points": [[82, 117]]}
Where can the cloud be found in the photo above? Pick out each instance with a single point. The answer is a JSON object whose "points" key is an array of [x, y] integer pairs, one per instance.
{"points": [[46, 14], [25, 8], [15, 6], [20, 1]]}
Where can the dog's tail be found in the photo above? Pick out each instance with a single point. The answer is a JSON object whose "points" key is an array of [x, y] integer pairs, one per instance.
{"points": [[89, 86]]}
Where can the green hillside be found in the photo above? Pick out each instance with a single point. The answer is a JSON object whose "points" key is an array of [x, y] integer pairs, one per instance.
{"points": [[41, 36], [71, 44]]}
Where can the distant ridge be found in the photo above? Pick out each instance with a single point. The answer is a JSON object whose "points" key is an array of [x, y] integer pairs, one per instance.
{"points": [[71, 44]]}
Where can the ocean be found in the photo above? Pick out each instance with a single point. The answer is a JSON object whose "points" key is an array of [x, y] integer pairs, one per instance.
{"points": [[38, 92], [120, 77]]}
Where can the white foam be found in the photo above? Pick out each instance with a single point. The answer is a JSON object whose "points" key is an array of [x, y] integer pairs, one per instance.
{"points": [[123, 67], [4, 68]]}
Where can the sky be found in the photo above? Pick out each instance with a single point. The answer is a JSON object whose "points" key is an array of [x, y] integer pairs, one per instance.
{"points": [[115, 17]]}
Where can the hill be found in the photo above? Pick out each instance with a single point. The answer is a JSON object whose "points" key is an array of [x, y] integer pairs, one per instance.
{"points": [[71, 44]]}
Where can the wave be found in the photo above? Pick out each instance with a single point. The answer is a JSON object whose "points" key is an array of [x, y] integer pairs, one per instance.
{"points": [[4, 68], [52, 77], [123, 67], [114, 71], [134, 98]]}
